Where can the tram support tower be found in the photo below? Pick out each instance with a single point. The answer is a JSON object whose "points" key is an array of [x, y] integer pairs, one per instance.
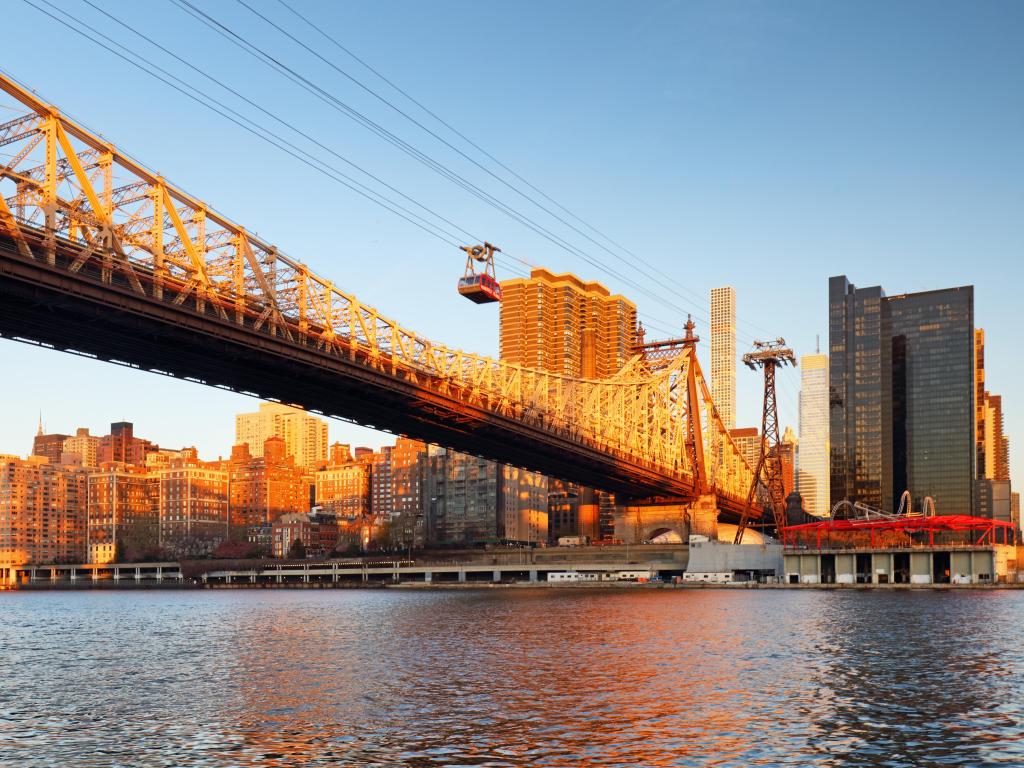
{"points": [[768, 356]]}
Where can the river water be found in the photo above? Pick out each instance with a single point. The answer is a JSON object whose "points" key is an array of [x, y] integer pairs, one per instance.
{"points": [[543, 677]]}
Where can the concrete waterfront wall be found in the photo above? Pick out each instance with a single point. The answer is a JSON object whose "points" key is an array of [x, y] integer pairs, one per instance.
{"points": [[926, 566]]}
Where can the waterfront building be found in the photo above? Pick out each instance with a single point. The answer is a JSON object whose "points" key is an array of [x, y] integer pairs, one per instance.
{"points": [[964, 549], [545, 318], [813, 449], [42, 511], [408, 506], [563, 509], [83, 445], [317, 530], [262, 488], [1015, 508], [723, 353], [193, 507], [304, 435], [462, 498], [122, 513], [901, 396], [524, 505]]}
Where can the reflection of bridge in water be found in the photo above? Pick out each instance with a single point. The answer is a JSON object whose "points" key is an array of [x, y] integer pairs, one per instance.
{"points": [[102, 257]]}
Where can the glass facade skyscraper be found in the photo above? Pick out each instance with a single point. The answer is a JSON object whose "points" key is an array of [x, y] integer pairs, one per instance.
{"points": [[901, 396]]}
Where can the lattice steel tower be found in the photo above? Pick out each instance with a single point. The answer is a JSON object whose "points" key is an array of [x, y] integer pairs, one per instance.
{"points": [[768, 355]]}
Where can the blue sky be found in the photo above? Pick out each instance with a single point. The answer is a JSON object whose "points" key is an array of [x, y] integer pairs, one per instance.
{"points": [[760, 145]]}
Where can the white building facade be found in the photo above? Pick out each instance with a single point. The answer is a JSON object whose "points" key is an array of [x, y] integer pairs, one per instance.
{"points": [[812, 477], [723, 353]]}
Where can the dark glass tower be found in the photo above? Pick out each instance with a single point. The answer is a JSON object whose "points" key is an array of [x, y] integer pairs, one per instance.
{"points": [[901, 396]]}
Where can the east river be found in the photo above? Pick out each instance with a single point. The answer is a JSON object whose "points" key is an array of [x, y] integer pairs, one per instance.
{"points": [[539, 677]]}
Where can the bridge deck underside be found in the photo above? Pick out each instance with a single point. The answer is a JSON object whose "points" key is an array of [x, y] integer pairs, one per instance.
{"points": [[76, 312]]}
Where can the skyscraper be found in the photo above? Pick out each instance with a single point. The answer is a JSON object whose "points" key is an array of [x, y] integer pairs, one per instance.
{"points": [[996, 443], [901, 396], [304, 435], [723, 353], [813, 451], [979, 401]]}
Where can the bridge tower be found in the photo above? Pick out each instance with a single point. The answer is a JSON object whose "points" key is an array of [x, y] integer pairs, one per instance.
{"points": [[768, 356]]}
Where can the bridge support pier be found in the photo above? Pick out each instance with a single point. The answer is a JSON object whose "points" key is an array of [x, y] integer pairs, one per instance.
{"points": [[642, 520]]}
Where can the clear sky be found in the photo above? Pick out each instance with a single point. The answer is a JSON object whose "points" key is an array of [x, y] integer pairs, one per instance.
{"points": [[765, 146]]}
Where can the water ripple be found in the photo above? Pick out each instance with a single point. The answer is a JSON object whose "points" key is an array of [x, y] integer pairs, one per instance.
{"points": [[512, 678]]}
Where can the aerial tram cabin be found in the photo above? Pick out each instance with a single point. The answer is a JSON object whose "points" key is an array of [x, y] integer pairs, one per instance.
{"points": [[481, 287]]}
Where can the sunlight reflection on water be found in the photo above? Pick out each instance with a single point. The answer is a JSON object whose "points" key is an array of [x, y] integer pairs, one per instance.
{"points": [[511, 677]]}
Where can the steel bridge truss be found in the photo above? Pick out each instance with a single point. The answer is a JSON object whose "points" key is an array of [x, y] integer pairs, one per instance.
{"points": [[71, 200]]}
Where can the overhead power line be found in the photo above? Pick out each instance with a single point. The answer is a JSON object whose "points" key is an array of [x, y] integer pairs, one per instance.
{"points": [[290, 73], [336, 43], [243, 122]]}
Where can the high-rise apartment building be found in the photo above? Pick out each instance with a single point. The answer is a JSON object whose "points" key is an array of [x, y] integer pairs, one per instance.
{"points": [[748, 441], [304, 435], [562, 324], [382, 505], [995, 442], [408, 459], [723, 353], [902, 377], [42, 511], [546, 318], [85, 446], [979, 402], [813, 450]]}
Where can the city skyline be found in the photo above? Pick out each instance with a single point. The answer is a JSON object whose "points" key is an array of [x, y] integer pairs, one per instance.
{"points": [[364, 361]]}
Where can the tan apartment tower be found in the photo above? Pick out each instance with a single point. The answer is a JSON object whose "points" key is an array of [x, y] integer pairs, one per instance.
{"points": [[304, 435], [723, 353], [546, 318], [562, 324]]}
